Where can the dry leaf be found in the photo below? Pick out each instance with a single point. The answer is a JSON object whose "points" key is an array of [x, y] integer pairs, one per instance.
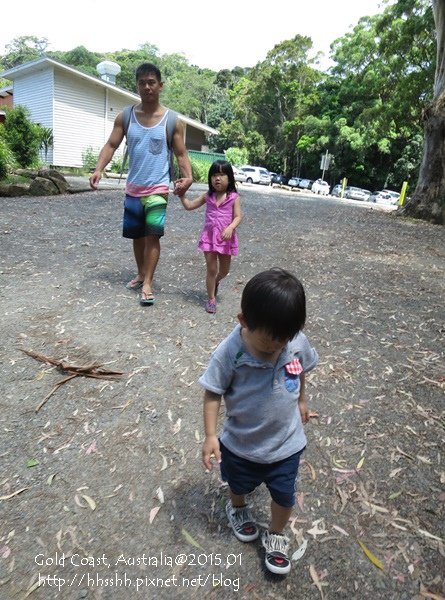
{"points": [[375, 561], [190, 540], [90, 502], [360, 463], [164, 463], [160, 495], [299, 551], [13, 494], [154, 511], [316, 580]]}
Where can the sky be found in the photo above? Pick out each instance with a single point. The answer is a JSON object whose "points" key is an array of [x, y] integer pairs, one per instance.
{"points": [[209, 34]]}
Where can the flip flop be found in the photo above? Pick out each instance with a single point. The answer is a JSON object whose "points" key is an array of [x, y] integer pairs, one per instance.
{"points": [[134, 284], [147, 299]]}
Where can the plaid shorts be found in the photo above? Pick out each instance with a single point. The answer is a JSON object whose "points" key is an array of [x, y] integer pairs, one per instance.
{"points": [[144, 216]]}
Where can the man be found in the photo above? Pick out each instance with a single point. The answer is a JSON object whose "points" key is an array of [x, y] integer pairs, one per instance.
{"points": [[148, 176]]}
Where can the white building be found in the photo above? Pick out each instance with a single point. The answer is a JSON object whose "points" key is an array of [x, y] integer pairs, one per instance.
{"points": [[79, 108]]}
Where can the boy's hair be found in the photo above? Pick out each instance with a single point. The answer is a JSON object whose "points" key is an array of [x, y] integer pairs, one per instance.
{"points": [[274, 301], [148, 69], [224, 167]]}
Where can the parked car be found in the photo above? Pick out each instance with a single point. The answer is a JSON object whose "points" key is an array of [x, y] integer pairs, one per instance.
{"points": [[380, 198], [256, 174], [280, 179], [395, 196], [293, 182], [240, 176], [305, 184], [355, 193], [320, 187], [336, 190]]}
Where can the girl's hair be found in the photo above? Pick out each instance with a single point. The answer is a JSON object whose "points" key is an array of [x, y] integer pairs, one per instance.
{"points": [[224, 167], [274, 301]]}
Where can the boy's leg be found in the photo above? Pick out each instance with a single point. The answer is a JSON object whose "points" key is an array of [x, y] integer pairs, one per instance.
{"points": [[280, 517], [240, 518], [275, 542], [235, 471]]}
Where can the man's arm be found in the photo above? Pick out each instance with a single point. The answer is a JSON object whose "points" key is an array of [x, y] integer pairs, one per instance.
{"points": [[185, 168], [107, 152]]}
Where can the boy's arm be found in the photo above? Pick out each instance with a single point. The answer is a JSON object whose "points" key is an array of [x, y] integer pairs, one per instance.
{"points": [[302, 406], [107, 152], [192, 204], [185, 168], [210, 447], [237, 216]]}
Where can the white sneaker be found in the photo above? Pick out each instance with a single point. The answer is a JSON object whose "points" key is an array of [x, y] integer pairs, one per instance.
{"points": [[277, 547], [242, 523]]}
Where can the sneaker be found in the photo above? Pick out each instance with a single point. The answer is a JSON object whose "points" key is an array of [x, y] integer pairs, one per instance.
{"points": [[211, 306], [242, 523], [277, 547]]}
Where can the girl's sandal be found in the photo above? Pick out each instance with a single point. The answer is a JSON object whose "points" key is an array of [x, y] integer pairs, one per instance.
{"points": [[147, 299]]}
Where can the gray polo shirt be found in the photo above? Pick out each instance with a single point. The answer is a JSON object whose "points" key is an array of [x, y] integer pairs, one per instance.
{"points": [[263, 423]]}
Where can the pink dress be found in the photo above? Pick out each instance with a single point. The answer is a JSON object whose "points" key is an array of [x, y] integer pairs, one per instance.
{"points": [[217, 218]]}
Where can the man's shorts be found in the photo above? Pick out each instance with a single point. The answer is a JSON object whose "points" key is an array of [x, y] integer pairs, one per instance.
{"points": [[144, 216], [243, 476]]}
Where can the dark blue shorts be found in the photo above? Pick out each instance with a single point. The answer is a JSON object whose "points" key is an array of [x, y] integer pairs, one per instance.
{"points": [[243, 476], [144, 216]]}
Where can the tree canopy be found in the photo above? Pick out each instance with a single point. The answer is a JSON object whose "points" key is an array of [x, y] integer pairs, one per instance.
{"points": [[366, 110]]}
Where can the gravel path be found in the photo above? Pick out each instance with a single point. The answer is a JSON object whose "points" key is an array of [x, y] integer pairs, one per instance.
{"points": [[102, 492]]}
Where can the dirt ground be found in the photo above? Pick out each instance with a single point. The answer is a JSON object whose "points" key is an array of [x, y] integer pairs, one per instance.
{"points": [[102, 491]]}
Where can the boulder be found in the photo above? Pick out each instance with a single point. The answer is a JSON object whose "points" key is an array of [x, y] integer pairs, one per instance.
{"points": [[43, 187], [44, 182], [11, 190]]}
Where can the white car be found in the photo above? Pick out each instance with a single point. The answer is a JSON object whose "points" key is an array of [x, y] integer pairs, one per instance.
{"points": [[320, 187], [239, 175], [256, 174]]}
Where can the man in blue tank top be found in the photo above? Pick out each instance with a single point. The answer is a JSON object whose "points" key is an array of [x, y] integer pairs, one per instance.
{"points": [[148, 176]]}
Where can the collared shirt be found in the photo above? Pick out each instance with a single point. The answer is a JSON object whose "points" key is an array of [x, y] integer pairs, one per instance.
{"points": [[263, 422]]}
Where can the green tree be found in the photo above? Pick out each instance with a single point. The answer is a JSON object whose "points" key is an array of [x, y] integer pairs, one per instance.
{"points": [[23, 49], [22, 136]]}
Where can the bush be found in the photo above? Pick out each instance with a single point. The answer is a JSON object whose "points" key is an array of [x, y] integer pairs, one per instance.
{"points": [[7, 162], [22, 136], [89, 158], [200, 170]]}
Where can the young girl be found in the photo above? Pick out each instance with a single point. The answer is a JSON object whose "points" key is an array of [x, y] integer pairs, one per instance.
{"points": [[218, 239]]}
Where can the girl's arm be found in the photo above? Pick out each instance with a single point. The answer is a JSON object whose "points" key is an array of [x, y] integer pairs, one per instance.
{"points": [[192, 204], [237, 217], [210, 447]]}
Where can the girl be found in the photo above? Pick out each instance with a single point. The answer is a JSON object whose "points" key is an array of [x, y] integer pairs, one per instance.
{"points": [[218, 239]]}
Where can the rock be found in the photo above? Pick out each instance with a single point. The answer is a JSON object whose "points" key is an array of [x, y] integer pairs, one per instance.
{"points": [[44, 182], [43, 187], [14, 189]]}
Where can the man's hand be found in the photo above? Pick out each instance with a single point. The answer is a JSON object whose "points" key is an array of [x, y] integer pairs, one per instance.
{"points": [[182, 185], [210, 449], [94, 179]]}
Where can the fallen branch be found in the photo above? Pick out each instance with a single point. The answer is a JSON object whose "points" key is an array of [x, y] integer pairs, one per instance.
{"points": [[93, 370]]}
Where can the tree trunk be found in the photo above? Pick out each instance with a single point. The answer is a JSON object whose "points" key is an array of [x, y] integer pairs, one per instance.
{"points": [[428, 200]]}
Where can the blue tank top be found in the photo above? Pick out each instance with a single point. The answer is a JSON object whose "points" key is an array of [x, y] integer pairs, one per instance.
{"points": [[148, 158]]}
